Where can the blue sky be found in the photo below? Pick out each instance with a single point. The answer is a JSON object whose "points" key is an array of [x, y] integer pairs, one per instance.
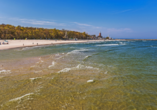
{"points": [[116, 18]]}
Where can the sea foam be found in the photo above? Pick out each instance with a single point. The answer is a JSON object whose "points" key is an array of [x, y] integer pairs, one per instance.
{"points": [[64, 70], [5, 72], [78, 51], [79, 66], [32, 79], [87, 57], [108, 45], [53, 63], [19, 98], [89, 81]]}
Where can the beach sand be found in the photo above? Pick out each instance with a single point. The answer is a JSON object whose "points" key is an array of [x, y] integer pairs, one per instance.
{"points": [[30, 43]]}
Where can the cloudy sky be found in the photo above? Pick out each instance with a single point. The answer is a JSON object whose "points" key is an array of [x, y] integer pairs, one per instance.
{"points": [[116, 18]]}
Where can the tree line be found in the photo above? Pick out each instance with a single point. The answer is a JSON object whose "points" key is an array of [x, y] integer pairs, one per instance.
{"points": [[18, 32]]}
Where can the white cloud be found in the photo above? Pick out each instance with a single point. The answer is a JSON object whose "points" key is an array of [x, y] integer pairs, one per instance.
{"points": [[85, 25], [38, 22], [82, 24]]}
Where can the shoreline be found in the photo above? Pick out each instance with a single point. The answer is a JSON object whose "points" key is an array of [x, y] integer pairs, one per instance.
{"points": [[13, 44]]}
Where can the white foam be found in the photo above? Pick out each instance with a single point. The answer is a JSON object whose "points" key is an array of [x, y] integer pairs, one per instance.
{"points": [[78, 51], [33, 66], [32, 79], [19, 98], [89, 81], [122, 43], [40, 61], [64, 70], [53, 63], [28, 48], [106, 72], [108, 45], [87, 56], [79, 66], [5, 72], [38, 71], [57, 55], [39, 88]]}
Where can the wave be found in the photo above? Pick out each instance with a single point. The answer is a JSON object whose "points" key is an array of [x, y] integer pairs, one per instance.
{"points": [[41, 61], [118, 43], [108, 45], [122, 43], [79, 66], [57, 54], [19, 98], [53, 63], [5, 72], [87, 57], [153, 46], [33, 79], [64, 70], [27, 48], [106, 72], [89, 81], [38, 71], [78, 51]]}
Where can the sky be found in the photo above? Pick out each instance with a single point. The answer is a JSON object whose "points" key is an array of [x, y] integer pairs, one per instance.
{"points": [[116, 18]]}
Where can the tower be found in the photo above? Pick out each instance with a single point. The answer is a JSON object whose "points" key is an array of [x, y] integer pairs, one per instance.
{"points": [[100, 34]]}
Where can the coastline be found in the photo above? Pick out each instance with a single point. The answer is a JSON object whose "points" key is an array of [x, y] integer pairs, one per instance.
{"points": [[31, 43]]}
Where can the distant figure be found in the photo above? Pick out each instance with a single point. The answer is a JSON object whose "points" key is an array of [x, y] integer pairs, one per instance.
{"points": [[14, 38]]}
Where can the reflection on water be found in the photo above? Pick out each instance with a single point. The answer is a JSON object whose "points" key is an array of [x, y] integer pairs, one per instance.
{"points": [[96, 76]]}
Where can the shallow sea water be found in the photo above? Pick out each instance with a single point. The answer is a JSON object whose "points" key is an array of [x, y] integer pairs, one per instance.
{"points": [[109, 75]]}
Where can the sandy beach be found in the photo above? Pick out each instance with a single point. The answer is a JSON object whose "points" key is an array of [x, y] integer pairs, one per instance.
{"points": [[30, 43]]}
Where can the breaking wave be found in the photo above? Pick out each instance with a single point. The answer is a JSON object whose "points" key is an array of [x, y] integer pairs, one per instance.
{"points": [[64, 70], [87, 57], [19, 98], [117, 44], [33, 79], [5, 72], [78, 51], [79, 66], [53, 63], [108, 45]]}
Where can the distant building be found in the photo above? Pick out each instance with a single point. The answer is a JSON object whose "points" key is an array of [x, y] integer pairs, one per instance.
{"points": [[99, 37], [93, 36], [108, 38], [99, 34]]}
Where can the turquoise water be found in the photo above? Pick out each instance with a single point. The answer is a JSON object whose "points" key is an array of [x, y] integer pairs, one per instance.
{"points": [[124, 75]]}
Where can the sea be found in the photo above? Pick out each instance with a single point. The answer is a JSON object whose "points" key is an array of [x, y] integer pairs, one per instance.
{"points": [[106, 75]]}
